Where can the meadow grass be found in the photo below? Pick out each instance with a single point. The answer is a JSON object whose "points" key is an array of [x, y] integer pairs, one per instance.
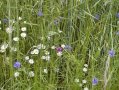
{"points": [[59, 44]]}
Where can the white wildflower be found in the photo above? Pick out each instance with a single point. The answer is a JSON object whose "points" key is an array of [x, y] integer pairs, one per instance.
{"points": [[59, 54], [47, 53], [84, 81], [4, 46], [23, 29], [23, 34], [16, 39], [85, 65], [31, 74], [20, 18], [24, 22], [47, 58], [31, 61], [9, 30], [45, 71], [53, 47], [76, 80], [41, 46], [85, 69], [86, 88], [26, 58], [16, 74], [36, 51], [63, 46], [43, 57]]}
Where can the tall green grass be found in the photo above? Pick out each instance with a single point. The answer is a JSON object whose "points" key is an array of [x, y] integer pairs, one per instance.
{"points": [[90, 39]]}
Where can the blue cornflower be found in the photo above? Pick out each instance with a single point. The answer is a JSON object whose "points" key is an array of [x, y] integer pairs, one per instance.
{"points": [[97, 17], [95, 81], [117, 15], [68, 47], [56, 21], [5, 20], [17, 64], [111, 53], [117, 32], [40, 13]]}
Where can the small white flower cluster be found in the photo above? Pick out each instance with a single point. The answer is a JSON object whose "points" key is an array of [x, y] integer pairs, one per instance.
{"points": [[35, 52], [23, 34], [51, 33], [84, 82], [85, 69], [14, 49], [46, 56], [41, 46], [31, 74], [30, 61], [76, 80], [9, 29], [3, 47], [36, 49]]}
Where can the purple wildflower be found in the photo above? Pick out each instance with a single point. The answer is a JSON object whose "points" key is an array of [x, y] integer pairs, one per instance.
{"points": [[40, 13], [95, 81], [117, 15], [17, 64], [111, 53], [59, 49]]}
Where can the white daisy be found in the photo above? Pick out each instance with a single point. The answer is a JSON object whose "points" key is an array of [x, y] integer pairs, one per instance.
{"points": [[35, 51], [26, 58], [20, 18], [85, 65], [86, 88], [23, 29], [63, 46], [16, 39], [45, 71], [31, 61], [23, 34], [16, 74], [4, 46], [24, 22], [84, 81], [85, 69], [53, 47]]}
